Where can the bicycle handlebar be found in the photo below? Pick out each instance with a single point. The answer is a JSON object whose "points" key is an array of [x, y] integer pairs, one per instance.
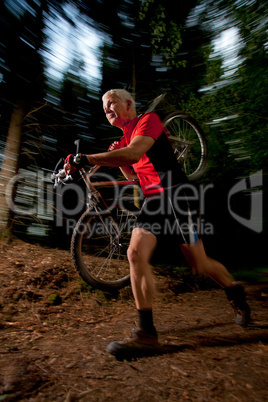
{"points": [[59, 176]]}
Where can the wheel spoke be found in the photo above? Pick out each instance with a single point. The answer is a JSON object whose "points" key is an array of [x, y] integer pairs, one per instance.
{"points": [[188, 143], [99, 251]]}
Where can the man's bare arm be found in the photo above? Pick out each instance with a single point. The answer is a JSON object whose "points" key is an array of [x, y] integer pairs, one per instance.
{"points": [[125, 156], [128, 173]]}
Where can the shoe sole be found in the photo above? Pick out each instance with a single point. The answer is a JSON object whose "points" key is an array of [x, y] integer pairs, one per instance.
{"points": [[126, 352]]}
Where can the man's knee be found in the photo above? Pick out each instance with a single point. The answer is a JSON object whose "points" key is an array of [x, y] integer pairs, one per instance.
{"points": [[200, 270], [134, 256], [141, 247]]}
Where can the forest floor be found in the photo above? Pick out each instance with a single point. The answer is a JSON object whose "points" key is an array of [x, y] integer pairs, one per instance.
{"points": [[54, 331]]}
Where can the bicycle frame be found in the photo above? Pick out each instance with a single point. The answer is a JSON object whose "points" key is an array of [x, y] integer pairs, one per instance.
{"points": [[95, 198], [86, 177], [94, 195]]}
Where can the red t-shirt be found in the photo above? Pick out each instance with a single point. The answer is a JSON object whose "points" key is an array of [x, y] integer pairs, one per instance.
{"points": [[158, 168]]}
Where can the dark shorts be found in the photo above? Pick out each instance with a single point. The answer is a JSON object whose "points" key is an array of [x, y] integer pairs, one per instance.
{"points": [[169, 218]]}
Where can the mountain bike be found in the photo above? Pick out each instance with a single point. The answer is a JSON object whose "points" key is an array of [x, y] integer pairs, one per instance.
{"points": [[101, 236]]}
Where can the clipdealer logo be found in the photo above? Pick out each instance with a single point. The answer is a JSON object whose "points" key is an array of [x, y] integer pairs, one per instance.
{"points": [[42, 202], [253, 185]]}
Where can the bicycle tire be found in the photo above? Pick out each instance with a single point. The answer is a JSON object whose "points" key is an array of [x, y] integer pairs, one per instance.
{"points": [[184, 129], [99, 250]]}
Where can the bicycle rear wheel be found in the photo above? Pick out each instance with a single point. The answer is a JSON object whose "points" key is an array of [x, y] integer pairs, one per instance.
{"points": [[99, 244], [189, 144]]}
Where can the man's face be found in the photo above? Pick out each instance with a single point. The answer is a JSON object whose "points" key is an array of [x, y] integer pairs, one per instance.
{"points": [[117, 111]]}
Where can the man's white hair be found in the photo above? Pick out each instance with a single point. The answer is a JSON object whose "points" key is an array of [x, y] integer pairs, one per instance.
{"points": [[123, 95]]}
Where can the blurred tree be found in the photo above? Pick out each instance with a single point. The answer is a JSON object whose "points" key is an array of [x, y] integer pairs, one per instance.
{"points": [[234, 95], [252, 89], [148, 47], [22, 82], [29, 128], [232, 102]]}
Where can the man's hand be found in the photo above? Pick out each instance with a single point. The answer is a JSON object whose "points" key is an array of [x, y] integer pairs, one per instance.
{"points": [[70, 164], [113, 146]]}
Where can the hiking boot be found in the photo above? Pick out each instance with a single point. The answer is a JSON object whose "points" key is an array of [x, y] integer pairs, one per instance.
{"points": [[237, 298], [138, 345]]}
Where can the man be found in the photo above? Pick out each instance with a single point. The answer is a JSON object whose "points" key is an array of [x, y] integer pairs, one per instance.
{"points": [[145, 152]]}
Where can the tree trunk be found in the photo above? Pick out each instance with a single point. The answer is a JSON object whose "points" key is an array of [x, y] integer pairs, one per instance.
{"points": [[10, 167]]}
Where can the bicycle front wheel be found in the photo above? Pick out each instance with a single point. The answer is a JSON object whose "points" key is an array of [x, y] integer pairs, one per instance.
{"points": [[99, 245], [189, 144]]}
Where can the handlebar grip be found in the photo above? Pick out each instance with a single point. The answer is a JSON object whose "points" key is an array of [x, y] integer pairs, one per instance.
{"points": [[77, 158]]}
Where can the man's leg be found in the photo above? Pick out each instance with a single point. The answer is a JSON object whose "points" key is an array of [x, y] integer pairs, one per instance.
{"points": [[197, 258], [141, 248], [204, 265], [144, 339]]}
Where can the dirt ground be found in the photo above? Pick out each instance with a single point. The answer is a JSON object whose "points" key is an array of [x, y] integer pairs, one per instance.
{"points": [[54, 332]]}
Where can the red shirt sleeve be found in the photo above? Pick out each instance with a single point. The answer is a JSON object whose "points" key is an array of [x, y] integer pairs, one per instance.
{"points": [[149, 125]]}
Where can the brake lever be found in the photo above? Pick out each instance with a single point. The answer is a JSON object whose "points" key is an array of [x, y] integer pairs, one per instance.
{"points": [[59, 176], [56, 169], [77, 143], [78, 155]]}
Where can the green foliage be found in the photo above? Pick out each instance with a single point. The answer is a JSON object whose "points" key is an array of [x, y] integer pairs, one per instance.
{"points": [[258, 275], [84, 287], [214, 71], [104, 296], [235, 108], [166, 34], [54, 299]]}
